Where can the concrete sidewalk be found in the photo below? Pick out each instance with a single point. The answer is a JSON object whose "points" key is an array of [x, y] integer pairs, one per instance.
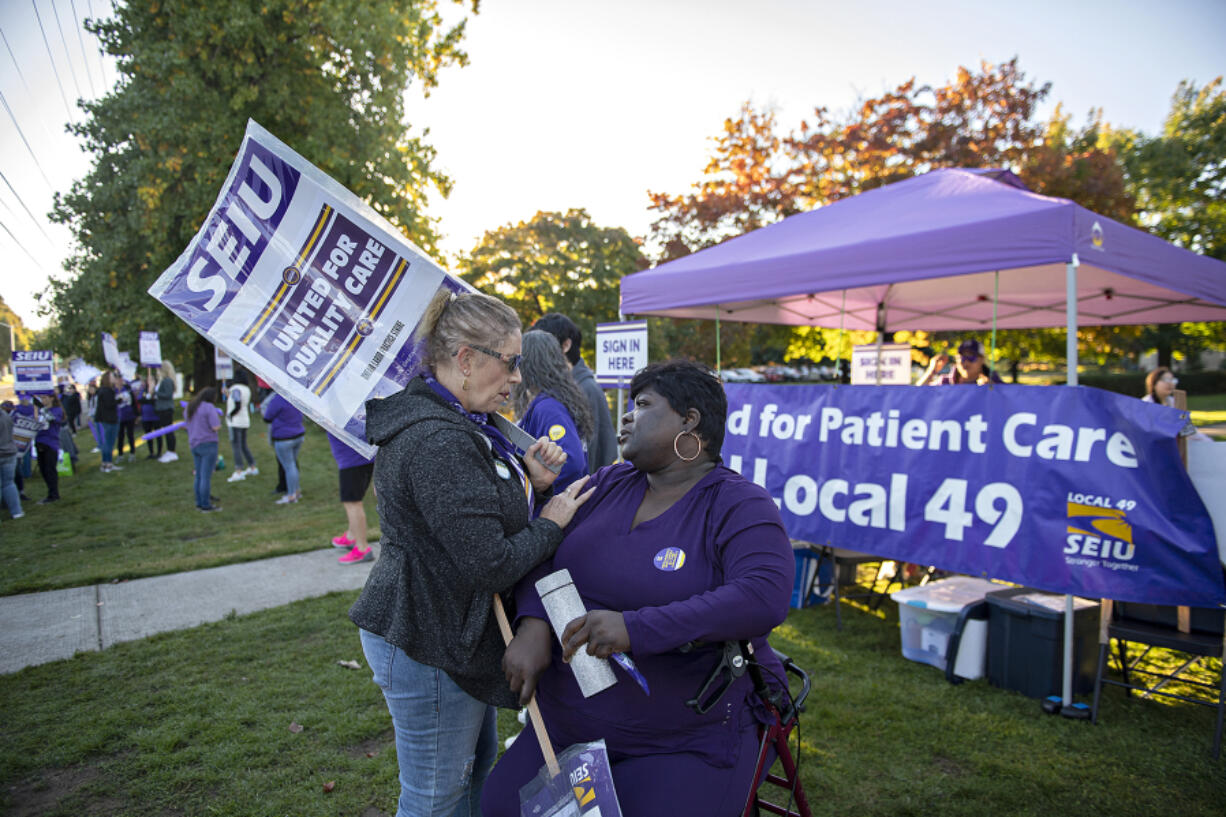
{"points": [[39, 627]]}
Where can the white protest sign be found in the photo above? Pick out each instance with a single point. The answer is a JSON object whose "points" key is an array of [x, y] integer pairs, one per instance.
{"points": [[621, 350], [893, 366], [306, 286], [32, 372], [81, 371], [223, 364], [126, 366], [150, 349], [110, 349]]}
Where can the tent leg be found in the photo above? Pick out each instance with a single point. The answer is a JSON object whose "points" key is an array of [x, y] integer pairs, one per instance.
{"points": [[1071, 355]]}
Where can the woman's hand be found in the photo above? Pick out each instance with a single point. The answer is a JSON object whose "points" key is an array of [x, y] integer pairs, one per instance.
{"points": [[561, 508], [604, 632], [527, 656], [551, 455]]}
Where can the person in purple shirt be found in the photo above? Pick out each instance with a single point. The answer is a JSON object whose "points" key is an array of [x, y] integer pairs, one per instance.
{"points": [[203, 420], [674, 551], [355, 472], [47, 444], [549, 404], [286, 431]]}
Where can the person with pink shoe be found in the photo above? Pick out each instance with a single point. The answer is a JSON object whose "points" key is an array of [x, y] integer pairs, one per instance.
{"points": [[355, 472]]}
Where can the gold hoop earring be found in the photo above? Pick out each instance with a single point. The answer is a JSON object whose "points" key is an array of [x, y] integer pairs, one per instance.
{"points": [[677, 439]]}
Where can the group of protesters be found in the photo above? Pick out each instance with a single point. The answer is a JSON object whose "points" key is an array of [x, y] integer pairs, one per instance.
{"points": [[43, 428]]}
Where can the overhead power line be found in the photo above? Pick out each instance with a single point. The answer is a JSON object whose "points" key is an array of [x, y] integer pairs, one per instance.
{"points": [[16, 64], [22, 246], [26, 142], [29, 94], [58, 81], [17, 195], [89, 75], [67, 56]]}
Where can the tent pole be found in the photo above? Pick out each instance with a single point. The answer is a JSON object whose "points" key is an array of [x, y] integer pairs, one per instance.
{"points": [[718, 367], [1072, 362], [621, 406], [995, 303], [838, 359]]}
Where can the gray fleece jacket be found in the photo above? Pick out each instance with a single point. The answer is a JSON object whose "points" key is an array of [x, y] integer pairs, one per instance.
{"points": [[455, 529]]}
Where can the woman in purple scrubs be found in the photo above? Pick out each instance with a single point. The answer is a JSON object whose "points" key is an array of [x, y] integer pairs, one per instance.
{"points": [[674, 549]]}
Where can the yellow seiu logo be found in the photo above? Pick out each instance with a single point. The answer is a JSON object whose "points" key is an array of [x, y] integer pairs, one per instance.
{"points": [[1100, 532], [581, 783], [557, 431]]}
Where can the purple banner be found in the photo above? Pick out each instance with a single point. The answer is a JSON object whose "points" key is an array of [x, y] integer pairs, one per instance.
{"points": [[1071, 490]]}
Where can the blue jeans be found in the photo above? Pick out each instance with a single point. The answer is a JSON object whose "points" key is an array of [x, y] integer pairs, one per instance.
{"points": [[287, 455], [8, 488], [238, 444], [446, 740], [109, 432], [205, 458]]}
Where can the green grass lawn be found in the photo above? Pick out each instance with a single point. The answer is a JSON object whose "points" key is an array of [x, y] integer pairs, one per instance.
{"points": [[143, 520], [1207, 409], [199, 723]]}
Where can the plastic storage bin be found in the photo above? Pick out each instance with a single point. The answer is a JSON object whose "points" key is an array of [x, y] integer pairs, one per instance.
{"points": [[1026, 642], [928, 617]]}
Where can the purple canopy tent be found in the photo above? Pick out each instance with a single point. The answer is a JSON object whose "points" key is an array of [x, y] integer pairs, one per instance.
{"points": [[925, 253], [953, 249]]}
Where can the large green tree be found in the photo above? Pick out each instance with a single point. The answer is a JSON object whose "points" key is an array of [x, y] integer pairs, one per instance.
{"points": [[555, 262], [327, 77], [1179, 180]]}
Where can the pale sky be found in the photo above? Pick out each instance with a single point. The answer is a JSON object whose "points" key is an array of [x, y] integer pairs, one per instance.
{"points": [[568, 103]]}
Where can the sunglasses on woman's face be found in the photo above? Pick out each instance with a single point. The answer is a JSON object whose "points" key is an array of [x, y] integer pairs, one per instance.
{"points": [[512, 363]]}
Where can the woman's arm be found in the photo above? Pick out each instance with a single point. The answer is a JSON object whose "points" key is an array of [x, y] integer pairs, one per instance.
{"points": [[935, 365], [455, 491], [527, 656]]}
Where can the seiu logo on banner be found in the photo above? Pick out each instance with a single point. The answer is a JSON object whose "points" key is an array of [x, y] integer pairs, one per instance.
{"points": [[1069, 490], [245, 217]]}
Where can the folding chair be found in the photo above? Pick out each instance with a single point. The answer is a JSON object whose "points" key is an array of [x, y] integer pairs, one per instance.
{"points": [[1169, 628]]}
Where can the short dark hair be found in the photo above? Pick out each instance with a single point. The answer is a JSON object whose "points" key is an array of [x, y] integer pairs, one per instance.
{"points": [[562, 328], [688, 385]]}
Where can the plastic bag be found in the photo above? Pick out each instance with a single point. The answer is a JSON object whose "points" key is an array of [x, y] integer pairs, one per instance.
{"points": [[583, 789], [64, 465]]}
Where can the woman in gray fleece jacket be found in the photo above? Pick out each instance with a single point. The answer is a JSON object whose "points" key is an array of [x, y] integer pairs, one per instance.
{"points": [[458, 511]]}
